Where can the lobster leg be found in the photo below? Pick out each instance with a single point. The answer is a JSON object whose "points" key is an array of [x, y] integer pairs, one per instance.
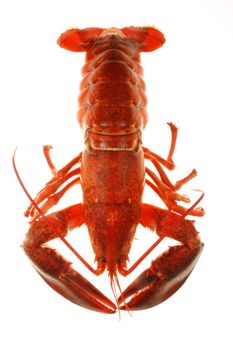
{"points": [[162, 185], [156, 159], [54, 268], [63, 171], [61, 176], [170, 196], [164, 178], [49, 200], [170, 270]]}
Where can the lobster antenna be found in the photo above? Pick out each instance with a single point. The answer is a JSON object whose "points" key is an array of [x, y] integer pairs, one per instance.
{"points": [[23, 186]]}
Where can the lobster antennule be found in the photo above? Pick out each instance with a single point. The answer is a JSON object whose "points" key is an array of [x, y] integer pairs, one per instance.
{"points": [[115, 284], [114, 289]]}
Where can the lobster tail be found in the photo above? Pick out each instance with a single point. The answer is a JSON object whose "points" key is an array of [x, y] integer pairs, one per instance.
{"points": [[79, 40]]}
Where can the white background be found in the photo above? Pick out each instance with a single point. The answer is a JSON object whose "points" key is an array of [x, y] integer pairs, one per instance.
{"points": [[189, 82]]}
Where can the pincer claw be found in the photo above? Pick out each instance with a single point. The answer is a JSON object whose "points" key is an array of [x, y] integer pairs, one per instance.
{"points": [[162, 279], [74, 287]]}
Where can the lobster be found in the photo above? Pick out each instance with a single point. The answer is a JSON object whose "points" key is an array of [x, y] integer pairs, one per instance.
{"points": [[112, 173]]}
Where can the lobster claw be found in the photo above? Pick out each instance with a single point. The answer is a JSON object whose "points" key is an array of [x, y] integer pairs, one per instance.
{"points": [[74, 287], [56, 271], [162, 279]]}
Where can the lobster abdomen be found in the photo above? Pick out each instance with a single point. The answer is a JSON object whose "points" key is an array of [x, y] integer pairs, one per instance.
{"points": [[112, 96]]}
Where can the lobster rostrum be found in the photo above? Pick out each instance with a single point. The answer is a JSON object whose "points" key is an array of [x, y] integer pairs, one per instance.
{"points": [[112, 173]]}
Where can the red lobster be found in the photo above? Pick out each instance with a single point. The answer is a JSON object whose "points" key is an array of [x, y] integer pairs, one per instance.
{"points": [[112, 174]]}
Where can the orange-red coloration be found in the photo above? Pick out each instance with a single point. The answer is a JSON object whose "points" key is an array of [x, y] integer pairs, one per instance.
{"points": [[112, 173]]}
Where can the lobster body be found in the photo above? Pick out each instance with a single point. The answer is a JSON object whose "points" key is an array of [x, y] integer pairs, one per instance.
{"points": [[112, 114], [112, 173]]}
